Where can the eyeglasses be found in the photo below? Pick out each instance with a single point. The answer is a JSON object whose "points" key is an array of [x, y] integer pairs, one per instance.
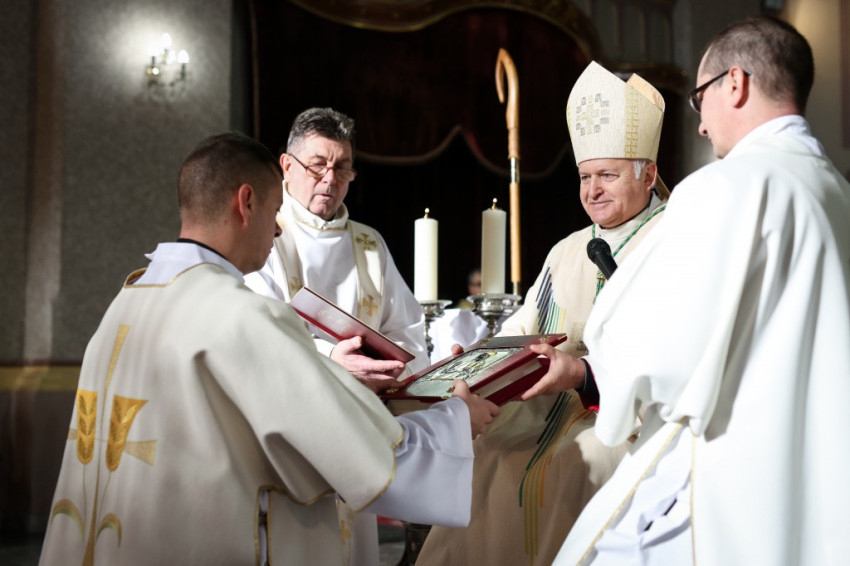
{"points": [[694, 96], [319, 171]]}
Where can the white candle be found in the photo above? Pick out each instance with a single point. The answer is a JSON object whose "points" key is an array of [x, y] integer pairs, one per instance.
{"points": [[425, 258], [493, 222]]}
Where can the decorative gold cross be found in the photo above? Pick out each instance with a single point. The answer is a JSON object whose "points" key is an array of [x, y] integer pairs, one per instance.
{"points": [[365, 241], [294, 284], [369, 305]]}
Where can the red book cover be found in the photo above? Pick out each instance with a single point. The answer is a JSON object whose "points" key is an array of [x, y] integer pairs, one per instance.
{"points": [[498, 369], [339, 325]]}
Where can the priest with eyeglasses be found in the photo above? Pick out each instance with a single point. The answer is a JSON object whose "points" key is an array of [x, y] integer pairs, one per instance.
{"points": [[346, 262]]}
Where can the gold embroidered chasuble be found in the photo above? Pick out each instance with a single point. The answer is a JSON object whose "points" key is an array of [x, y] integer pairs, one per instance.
{"points": [[539, 462], [194, 397]]}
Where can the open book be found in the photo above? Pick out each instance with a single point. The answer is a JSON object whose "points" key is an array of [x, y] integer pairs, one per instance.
{"points": [[337, 325], [497, 369]]}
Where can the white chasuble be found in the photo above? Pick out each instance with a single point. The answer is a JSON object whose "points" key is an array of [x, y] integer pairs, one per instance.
{"points": [[197, 395], [730, 326], [539, 462], [349, 264]]}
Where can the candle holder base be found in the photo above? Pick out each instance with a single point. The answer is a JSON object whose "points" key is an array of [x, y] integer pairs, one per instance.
{"points": [[493, 307], [433, 310]]}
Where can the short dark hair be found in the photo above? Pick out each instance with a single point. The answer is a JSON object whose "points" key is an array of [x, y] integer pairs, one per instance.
{"points": [[216, 168], [778, 56], [325, 122]]}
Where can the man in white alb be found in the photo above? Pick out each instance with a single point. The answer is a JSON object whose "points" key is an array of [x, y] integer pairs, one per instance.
{"points": [[207, 429], [540, 463], [345, 261], [729, 330]]}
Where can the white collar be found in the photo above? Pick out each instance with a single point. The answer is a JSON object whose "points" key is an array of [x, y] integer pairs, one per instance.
{"points": [[793, 126], [293, 209], [170, 259]]}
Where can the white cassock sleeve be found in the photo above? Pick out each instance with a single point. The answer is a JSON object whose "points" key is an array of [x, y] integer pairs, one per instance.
{"points": [[433, 476]]}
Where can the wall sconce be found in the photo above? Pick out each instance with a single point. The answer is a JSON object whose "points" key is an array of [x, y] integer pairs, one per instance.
{"points": [[164, 68]]}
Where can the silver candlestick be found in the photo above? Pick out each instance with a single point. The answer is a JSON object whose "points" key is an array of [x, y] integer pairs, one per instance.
{"points": [[493, 307], [433, 310]]}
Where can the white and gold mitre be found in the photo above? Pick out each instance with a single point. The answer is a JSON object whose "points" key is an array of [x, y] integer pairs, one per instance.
{"points": [[614, 119]]}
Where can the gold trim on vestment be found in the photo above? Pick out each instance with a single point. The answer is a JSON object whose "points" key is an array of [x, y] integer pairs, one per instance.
{"points": [[693, 488], [134, 275], [631, 129], [533, 490], [362, 239], [124, 411], [368, 305], [320, 229], [123, 330], [392, 475], [139, 272], [144, 450], [370, 273], [632, 491], [86, 418]]}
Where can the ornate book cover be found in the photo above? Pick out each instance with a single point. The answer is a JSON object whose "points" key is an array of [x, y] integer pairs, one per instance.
{"points": [[339, 325], [497, 369]]}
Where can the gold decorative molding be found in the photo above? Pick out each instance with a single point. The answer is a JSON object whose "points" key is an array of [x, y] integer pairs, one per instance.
{"points": [[412, 15], [39, 378]]}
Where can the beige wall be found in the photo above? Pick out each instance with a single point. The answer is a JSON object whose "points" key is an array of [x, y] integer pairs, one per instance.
{"points": [[820, 22], [696, 22], [90, 155], [817, 20], [88, 159]]}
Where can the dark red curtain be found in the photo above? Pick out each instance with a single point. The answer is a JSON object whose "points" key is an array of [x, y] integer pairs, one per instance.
{"points": [[431, 131]]}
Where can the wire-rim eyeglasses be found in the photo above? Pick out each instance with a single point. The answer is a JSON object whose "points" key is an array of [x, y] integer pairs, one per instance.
{"points": [[319, 171]]}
